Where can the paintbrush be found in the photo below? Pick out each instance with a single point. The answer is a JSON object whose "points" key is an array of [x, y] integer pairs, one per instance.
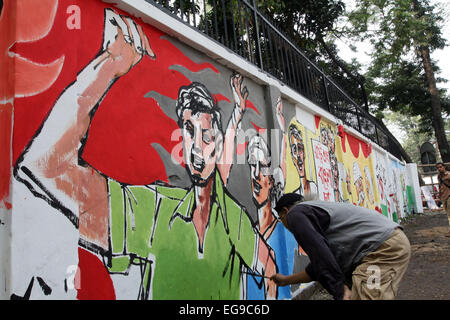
{"points": [[256, 275]]}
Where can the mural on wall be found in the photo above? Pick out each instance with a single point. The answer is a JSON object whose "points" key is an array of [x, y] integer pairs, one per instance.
{"points": [[298, 162], [339, 164], [359, 154], [268, 184], [130, 225], [409, 199], [382, 183], [401, 195], [124, 162], [33, 22]]}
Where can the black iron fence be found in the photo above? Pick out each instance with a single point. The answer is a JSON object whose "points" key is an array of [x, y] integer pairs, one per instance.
{"points": [[239, 26]]}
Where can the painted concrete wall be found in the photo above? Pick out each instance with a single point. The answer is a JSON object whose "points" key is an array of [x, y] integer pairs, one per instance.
{"points": [[148, 169]]}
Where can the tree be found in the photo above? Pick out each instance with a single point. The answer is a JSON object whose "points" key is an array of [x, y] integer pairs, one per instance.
{"points": [[313, 26], [413, 133], [402, 76]]}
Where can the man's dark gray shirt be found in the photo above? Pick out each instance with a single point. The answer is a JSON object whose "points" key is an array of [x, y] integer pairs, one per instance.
{"points": [[336, 236]]}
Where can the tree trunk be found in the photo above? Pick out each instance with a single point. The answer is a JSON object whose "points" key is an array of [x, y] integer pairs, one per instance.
{"points": [[438, 122], [436, 109]]}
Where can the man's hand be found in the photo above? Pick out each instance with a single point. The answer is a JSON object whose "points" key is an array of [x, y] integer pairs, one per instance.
{"points": [[240, 92], [300, 277], [347, 293], [280, 280], [124, 43]]}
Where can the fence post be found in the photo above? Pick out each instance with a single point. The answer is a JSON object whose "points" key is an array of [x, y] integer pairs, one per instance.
{"points": [[376, 133], [327, 98], [258, 42]]}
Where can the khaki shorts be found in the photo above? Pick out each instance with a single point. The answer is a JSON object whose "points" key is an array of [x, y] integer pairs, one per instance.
{"points": [[380, 272]]}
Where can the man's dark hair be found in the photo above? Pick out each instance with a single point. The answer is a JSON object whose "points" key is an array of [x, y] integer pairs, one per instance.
{"points": [[197, 98], [288, 200], [438, 163]]}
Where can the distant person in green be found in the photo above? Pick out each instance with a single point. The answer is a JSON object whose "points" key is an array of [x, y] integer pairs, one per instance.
{"points": [[444, 189]]}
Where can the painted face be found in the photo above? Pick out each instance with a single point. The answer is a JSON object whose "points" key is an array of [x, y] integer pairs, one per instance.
{"points": [[261, 178], [298, 154], [360, 189], [331, 145], [199, 143]]}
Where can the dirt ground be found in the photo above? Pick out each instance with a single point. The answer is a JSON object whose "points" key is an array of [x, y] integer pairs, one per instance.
{"points": [[428, 274]]}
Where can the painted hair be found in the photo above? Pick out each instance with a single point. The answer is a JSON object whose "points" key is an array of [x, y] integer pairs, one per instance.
{"points": [[293, 131], [198, 99]]}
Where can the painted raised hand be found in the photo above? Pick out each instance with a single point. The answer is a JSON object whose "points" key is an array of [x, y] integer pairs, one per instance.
{"points": [[124, 43], [240, 91], [280, 117]]}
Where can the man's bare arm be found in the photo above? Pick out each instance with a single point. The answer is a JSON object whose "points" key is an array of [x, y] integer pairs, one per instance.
{"points": [[300, 277]]}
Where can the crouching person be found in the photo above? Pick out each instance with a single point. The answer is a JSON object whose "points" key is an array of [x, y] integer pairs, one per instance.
{"points": [[355, 253]]}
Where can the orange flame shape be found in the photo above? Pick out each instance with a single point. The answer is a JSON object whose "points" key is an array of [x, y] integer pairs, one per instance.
{"points": [[25, 21]]}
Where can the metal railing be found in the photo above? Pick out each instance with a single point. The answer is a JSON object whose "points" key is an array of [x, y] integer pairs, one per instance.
{"points": [[239, 26]]}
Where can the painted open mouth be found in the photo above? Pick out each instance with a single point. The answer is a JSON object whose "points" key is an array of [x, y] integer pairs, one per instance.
{"points": [[256, 187], [197, 163], [300, 163]]}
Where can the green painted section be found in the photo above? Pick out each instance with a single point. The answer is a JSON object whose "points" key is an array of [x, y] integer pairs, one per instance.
{"points": [[411, 198], [152, 226], [384, 210]]}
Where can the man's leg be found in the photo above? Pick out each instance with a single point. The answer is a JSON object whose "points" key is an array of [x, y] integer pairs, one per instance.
{"points": [[380, 272], [447, 210]]}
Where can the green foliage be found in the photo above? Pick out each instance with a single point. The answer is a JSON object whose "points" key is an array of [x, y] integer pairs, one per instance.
{"points": [[404, 89], [313, 25], [414, 134], [305, 19], [397, 30], [394, 28]]}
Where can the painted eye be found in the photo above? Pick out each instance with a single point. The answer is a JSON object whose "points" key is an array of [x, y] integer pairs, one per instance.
{"points": [[207, 136], [265, 170]]}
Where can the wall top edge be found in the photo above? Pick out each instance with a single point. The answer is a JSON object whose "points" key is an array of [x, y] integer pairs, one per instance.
{"points": [[188, 35]]}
